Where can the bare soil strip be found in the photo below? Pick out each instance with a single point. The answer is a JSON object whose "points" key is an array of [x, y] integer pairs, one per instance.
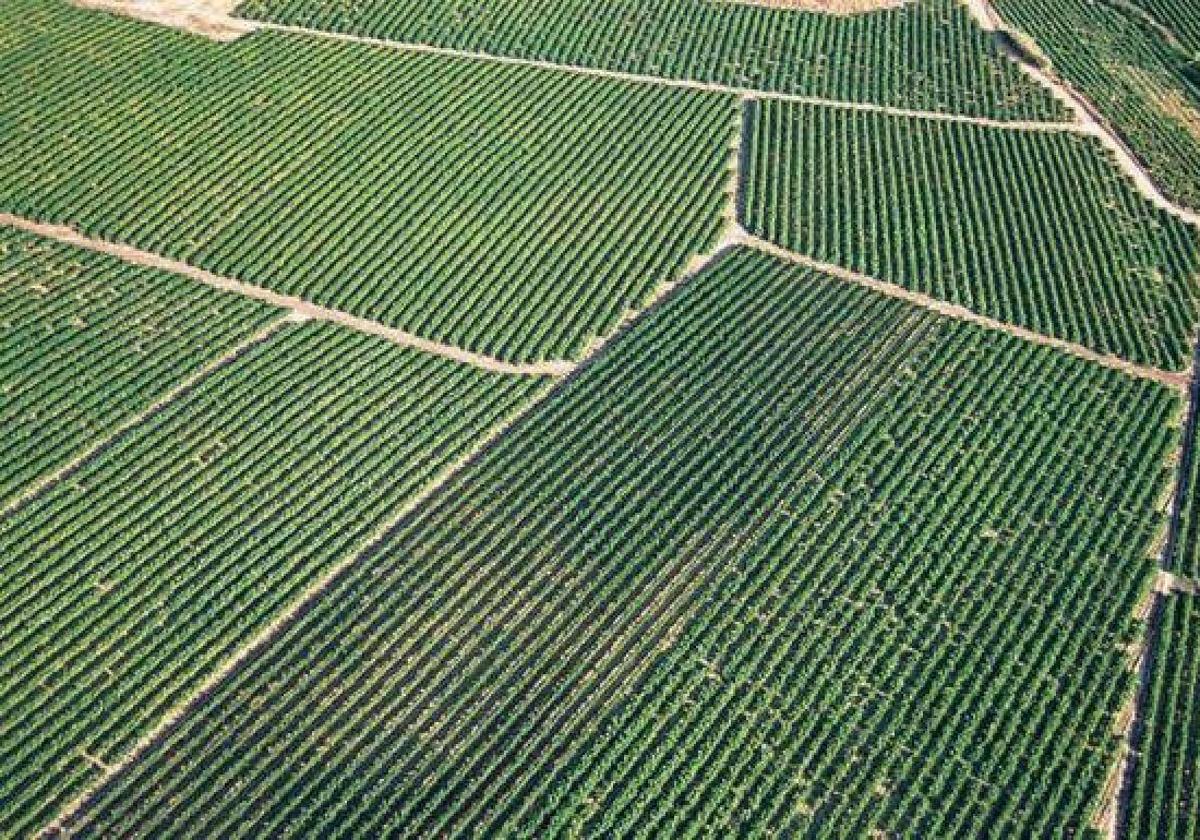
{"points": [[1178, 381], [210, 18], [72, 466], [129, 254]]}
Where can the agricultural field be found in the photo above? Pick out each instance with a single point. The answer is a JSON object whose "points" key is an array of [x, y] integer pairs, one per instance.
{"points": [[1166, 787], [1145, 86], [122, 587], [87, 342], [926, 54], [648, 626], [336, 173], [563, 419], [1180, 18], [1034, 228]]}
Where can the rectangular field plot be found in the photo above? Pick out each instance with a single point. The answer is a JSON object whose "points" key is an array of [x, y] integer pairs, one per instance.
{"points": [[791, 559], [1165, 796], [1036, 229], [123, 587], [511, 211], [87, 342], [927, 54]]}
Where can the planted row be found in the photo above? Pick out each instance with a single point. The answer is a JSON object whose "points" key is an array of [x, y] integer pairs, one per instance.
{"points": [[87, 342], [1146, 85], [927, 54], [1037, 229], [512, 211], [125, 586], [791, 559]]}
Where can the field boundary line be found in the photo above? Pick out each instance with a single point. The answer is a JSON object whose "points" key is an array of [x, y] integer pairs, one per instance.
{"points": [[180, 390], [665, 81], [299, 606], [136, 256], [1176, 380], [1112, 814], [1089, 120]]}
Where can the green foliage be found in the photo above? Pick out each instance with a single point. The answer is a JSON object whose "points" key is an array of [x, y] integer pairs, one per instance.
{"points": [[927, 55], [1165, 798], [508, 210], [126, 586], [87, 341], [1036, 229], [791, 559], [1131, 74]]}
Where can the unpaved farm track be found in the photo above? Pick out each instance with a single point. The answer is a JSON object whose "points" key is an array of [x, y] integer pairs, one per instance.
{"points": [[136, 256], [1089, 119], [1177, 380]]}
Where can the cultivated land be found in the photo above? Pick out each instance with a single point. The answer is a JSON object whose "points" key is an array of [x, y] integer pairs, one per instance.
{"points": [[1138, 80], [508, 210], [124, 585], [620, 645], [925, 55], [88, 343], [1034, 228], [614, 419]]}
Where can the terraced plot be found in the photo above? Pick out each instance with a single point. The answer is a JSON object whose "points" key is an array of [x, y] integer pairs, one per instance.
{"points": [[122, 588], [927, 54], [1166, 780], [511, 211], [1034, 228], [791, 557], [87, 342], [1147, 89]]}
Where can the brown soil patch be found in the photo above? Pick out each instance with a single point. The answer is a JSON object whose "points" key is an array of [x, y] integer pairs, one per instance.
{"points": [[829, 7], [210, 18]]}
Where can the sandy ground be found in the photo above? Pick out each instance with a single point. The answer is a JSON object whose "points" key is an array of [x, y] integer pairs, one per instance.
{"points": [[210, 18]]}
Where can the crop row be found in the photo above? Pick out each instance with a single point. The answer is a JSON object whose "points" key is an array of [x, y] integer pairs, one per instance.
{"points": [[87, 341], [1165, 797], [1180, 17], [1146, 87], [508, 210], [792, 558], [123, 587], [1033, 228], [927, 55]]}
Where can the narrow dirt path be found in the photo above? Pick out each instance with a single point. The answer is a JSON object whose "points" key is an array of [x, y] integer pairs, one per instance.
{"points": [[165, 399], [662, 81], [136, 256], [1089, 120], [1171, 379], [265, 636]]}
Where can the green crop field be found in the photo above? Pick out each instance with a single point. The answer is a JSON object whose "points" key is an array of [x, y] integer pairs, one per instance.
{"points": [[1033, 228], [925, 55], [1147, 88], [589, 419], [1180, 17], [419, 191], [121, 588], [87, 342], [829, 552], [1166, 787]]}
